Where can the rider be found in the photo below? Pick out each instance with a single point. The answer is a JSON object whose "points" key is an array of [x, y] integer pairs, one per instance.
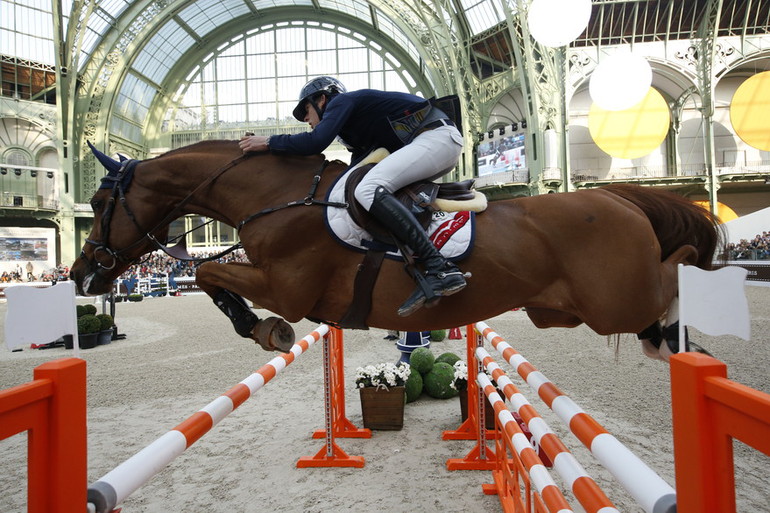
{"points": [[423, 144]]}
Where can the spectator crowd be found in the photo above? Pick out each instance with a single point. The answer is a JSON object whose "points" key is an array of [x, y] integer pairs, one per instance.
{"points": [[157, 264], [757, 248], [17, 275], [153, 265]]}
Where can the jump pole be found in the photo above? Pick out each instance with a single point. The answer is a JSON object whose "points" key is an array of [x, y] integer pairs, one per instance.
{"points": [[334, 388], [115, 486], [647, 488], [572, 473], [481, 457], [331, 455]]}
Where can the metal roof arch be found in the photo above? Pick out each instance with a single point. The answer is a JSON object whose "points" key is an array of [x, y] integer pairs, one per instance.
{"points": [[112, 61]]}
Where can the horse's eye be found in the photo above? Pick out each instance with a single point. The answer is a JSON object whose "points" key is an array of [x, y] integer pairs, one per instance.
{"points": [[96, 205]]}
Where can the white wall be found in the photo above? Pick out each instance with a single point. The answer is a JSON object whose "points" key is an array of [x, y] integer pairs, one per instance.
{"points": [[748, 226]]}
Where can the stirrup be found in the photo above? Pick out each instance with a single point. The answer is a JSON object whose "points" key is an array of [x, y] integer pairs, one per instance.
{"points": [[430, 290], [421, 294]]}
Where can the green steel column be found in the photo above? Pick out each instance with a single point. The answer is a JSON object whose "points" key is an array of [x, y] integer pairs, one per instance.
{"points": [[67, 41], [455, 64], [542, 83], [706, 54]]}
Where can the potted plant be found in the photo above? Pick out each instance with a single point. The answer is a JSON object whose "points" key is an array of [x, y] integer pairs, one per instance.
{"points": [[437, 335], [88, 330], [460, 384], [80, 311], [383, 396], [107, 329]]}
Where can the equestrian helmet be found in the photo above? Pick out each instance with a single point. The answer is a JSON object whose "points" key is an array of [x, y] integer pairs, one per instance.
{"points": [[323, 84]]}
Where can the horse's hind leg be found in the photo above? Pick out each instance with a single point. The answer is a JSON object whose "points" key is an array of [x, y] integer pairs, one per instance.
{"points": [[271, 333]]}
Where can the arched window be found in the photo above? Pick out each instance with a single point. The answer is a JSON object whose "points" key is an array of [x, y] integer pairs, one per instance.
{"points": [[17, 157], [255, 81]]}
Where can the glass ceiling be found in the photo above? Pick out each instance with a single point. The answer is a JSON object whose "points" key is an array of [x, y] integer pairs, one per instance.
{"points": [[482, 14], [257, 78], [26, 27]]}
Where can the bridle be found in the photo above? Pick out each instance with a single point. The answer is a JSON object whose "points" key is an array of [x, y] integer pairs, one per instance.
{"points": [[118, 195]]}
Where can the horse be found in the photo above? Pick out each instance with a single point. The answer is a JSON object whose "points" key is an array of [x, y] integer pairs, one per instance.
{"points": [[606, 257]]}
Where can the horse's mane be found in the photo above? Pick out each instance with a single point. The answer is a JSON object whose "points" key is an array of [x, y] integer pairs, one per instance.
{"points": [[676, 220], [202, 146]]}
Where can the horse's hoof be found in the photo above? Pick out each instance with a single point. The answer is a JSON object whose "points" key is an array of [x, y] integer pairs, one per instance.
{"points": [[274, 334]]}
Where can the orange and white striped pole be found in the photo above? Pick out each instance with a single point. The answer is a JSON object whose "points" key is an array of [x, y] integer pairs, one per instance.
{"points": [[647, 488], [572, 473], [516, 439], [113, 488]]}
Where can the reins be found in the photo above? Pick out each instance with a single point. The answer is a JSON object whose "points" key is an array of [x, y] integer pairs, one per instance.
{"points": [[118, 193], [307, 201]]}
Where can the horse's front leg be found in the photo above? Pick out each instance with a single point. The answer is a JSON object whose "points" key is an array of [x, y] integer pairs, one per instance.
{"points": [[226, 284]]}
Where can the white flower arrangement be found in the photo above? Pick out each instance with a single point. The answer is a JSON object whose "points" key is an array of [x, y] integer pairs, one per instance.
{"points": [[461, 375], [383, 375]]}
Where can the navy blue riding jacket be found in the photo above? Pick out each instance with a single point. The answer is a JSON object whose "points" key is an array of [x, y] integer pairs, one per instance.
{"points": [[360, 118]]}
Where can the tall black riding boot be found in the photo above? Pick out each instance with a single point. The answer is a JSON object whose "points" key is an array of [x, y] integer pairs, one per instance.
{"points": [[441, 277]]}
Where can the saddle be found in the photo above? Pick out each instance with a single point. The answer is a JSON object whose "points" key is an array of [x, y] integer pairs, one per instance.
{"points": [[421, 198]]}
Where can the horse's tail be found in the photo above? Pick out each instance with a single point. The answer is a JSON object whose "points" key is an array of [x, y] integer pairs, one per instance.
{"points": [[677, 221]]}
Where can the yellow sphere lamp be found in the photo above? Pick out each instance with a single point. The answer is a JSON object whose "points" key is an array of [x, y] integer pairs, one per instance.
{"points": [[633, 132], [750, 111], [724, 212]]}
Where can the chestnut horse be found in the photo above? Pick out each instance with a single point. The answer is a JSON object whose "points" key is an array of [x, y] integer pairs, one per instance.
{"points": [[605, 257]]}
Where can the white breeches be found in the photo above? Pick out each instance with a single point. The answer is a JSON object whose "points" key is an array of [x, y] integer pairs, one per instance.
{"points": [[430, 155]]}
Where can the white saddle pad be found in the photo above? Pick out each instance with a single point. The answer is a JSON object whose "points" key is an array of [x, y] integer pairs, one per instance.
{"points": [[451, 232]]}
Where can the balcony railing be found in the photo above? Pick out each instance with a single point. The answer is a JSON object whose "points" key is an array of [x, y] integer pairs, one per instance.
{"points": [[520, 176], [27, 187], [28, 201], [689, 170]]}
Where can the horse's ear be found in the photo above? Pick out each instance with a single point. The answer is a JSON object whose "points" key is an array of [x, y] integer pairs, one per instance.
{"points": [[109, 164], [687, 255]]}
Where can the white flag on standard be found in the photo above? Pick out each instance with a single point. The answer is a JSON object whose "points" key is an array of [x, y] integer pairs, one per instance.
{"points": [[714, 302], [40, 316]]}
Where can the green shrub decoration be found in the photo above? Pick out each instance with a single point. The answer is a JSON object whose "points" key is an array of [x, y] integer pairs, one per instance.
{"points": [[437, 382], [421, 360], [449, 358], [106, 321], [88, 323], [437, 335], [80, 310], [413, 387], [89, 309], [135, 297]]}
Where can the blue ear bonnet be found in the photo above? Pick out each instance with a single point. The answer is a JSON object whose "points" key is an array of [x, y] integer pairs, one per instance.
{"points": [[115, 169]]}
